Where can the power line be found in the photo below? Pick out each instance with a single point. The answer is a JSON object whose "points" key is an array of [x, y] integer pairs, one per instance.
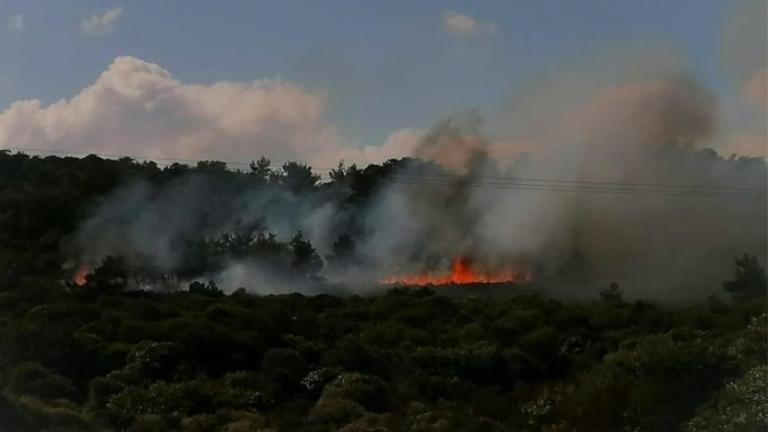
{"points": [[509, 180], [604, 190], [492, 182], [577, 186]]}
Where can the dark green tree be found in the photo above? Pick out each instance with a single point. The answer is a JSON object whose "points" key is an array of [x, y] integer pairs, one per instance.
{"points": [[749, 280], [261, 170], [208, 290], [305, 257], [110, 277], [298, 178], [612, 294]]}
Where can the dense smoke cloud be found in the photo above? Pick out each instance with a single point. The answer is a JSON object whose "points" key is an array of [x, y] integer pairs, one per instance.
{"points": [[156, 226], [650, 129], [628, 116], [744, 47], [744, 55]]}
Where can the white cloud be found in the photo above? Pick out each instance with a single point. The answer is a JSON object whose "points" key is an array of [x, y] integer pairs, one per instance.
{"points": [[16, 23], [400, 143], [139, 108], [464, 26], [101, 24]]}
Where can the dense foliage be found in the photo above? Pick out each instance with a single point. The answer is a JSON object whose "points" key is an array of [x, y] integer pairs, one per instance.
{"points": [[104, 357], [409, 359], [43, 202]]}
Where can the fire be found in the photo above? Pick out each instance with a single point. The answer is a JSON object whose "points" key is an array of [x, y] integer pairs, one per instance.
{"points": [[461, 272], [80, 274]]}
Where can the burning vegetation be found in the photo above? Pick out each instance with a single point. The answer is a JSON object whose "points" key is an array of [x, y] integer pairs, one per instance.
{"points": [[462, 271], [79, 278], [110, 357], [592, 260], [277, 230]]}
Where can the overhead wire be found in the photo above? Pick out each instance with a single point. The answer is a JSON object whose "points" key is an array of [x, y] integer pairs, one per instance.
{"points": [[580, 189]]}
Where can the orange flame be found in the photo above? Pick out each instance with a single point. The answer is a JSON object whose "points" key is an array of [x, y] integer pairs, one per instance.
{"points": [[80, 274], [461, 273]]}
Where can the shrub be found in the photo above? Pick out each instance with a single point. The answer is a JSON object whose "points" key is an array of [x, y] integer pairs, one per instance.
{"points": [[749, 280], [35, 380], [57, 415], [369, 391], [336, 412], [741, 406]]}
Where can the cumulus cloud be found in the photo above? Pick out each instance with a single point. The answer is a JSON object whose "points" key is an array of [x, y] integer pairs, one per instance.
{"points": [[139, 108], [96, 24], [464, 26], [16, 23], [400, 143]]}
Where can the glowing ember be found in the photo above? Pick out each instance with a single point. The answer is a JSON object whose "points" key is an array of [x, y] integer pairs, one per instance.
{"points": [[461, 273], [80, 274]]}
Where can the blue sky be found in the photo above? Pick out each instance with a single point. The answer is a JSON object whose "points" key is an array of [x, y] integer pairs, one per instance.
{"points": [[385, 65]]}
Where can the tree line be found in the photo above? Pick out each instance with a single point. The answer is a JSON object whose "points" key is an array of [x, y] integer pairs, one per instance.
{"points": [[107, 356]]}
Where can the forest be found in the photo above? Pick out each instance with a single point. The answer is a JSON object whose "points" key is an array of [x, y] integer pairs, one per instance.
{"points": [[135, 343]]}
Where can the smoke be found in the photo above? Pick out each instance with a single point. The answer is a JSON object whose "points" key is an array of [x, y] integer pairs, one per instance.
{"points": [[157, 226], [456, 143], [744, 55], [744, 47], [627, 122], [643, 129], [653, 128]]}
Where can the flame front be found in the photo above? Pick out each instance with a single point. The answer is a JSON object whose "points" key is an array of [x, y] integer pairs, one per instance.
{"points": [[80, 274], [461, 273]]}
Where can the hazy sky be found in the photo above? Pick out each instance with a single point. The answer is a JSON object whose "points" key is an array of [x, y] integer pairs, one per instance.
{"points": [[383, 65]]}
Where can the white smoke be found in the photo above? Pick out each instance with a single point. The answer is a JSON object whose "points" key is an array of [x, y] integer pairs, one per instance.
{"points": [[629, 115], [606, 123], [609, 123]]}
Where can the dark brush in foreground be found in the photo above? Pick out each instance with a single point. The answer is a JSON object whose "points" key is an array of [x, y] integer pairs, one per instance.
{"points": [[408, 359], [155, 333]]}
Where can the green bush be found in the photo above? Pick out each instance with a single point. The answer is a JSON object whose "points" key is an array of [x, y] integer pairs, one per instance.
{"points": [[335, 412], [35, 380], [370, 392], [741, 406]]}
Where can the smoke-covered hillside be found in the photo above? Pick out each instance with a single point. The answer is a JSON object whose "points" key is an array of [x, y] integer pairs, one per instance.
{"points": [[283, 229]]}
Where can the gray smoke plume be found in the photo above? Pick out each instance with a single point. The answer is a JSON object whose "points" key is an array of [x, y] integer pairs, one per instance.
{"points": [[634, 130], [649, 130]]}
